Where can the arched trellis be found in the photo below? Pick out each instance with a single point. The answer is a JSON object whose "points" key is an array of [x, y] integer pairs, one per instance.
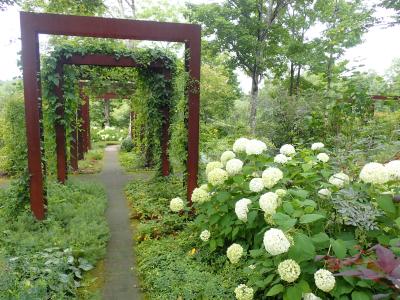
{"points": [[34, 24], [77, 149]]}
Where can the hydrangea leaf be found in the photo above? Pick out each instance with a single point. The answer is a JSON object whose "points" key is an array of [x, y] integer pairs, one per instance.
{"points": [[310, 218], [275, 290]]}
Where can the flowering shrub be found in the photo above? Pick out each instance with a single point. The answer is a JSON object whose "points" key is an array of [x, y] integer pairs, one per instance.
{"points": [[108, 134], [278, 212]]}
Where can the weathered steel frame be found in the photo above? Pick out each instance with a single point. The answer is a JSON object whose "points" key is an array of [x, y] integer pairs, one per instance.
{"points": [[34, 24]]}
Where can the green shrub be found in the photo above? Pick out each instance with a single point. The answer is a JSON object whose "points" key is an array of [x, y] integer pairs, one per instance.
{"points": [[127, 144]]}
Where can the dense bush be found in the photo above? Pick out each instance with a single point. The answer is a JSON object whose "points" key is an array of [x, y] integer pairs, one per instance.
{"points": [[284, 217], [127, 144], [46, 260], [108, 134]]}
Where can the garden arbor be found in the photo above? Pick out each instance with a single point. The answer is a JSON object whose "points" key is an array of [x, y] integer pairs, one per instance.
{"points": [[34, 24]]}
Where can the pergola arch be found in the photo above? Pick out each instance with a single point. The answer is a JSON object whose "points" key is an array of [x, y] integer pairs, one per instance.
{"points": [[33, 24]]}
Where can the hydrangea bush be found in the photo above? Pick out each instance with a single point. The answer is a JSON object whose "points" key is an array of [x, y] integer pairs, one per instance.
{"points": [[274, 214]]}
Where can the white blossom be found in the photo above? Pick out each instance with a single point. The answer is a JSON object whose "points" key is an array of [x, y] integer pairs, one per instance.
{"points": [[287, 150], [176, 204], [256, 185], [339, 179], [213, 165], [324, 193], [289, 270], [205, 235], [255, 147], [242, 208], [393, 169], [204, 187], [240, 145], [243, 292], [317, 146], [323, 157], [234, 253], [281, 159], [375, 173], [324, 280], [200, 195], [271, 176], [310, 296], [227, 155], [281, 193], [269, 203], [275, 242], [234, 166], [217, 176]]}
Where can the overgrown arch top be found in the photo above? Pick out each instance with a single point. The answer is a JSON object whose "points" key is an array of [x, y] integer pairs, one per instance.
{"points": [[34, 24]]}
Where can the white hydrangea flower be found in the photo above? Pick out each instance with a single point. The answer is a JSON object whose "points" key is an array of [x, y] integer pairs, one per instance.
{"points": [[242, 208], [287, 150], [275, 242], [281, 159], [213, 165], [269, 203], [256, 185], [234, 253], [217, 176], [339, 179], [240, 145], [324, 193], [227, 155], [375, 173], [310, 296], [393, 169], [243, 292], [324, 280], [281, 193], [252, 267], [234, 166], [289, 270], [200, 195], [205, 235], [255, 147], [323, 157], [204, 187], [271, 177], [317, 146], [176, 204]]}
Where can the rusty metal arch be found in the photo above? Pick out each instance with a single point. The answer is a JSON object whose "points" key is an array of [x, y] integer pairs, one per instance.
{"points": [[34, 24]]}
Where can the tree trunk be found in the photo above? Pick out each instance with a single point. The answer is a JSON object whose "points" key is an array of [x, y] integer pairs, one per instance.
{"points": [[254, 102], [298, 80], [329, 71], [291, 78], [107, 113]]}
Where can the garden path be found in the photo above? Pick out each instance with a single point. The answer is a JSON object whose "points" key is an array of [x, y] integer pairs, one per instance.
{"points": [[120, 279]]}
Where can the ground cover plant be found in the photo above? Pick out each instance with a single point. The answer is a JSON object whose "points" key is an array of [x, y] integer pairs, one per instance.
{"points": [[47, 260], [299, 227]]}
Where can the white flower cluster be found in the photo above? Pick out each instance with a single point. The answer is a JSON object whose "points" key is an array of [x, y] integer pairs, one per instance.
{"points": [[205, 235], [243, 292], [200, 195], [269, 203], [234, 166], [271, 177], [213, 165], [227, 155], [289, 270], [393, 168], [217, 176], [375, 173], [324, 280], [240, 145], [255, 147], [256, 185], [281, 193], [324, 193], [287, 150], [317, 146], [234, 253], [242, 208], [339, 179], [281, 159], [275, 242], [323, 157], [310, 296], [176, 204]]}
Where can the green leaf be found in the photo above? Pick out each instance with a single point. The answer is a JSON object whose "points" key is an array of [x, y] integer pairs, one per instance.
{"points": [[385, 202], [292, 293], [321, 239], [275, 290], [300, 193], [358, 295], [223, 196], [284, 221], [339, 248], [303, 248], [309, 218], [397, 221], [288, 208]]}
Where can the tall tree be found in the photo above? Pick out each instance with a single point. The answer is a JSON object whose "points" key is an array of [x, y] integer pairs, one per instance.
{"points": [[5, 3], [249, 31], [71, 7], [395, 5]]}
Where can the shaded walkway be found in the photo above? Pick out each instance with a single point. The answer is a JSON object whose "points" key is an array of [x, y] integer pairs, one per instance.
{"points": [[120, 280]]}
